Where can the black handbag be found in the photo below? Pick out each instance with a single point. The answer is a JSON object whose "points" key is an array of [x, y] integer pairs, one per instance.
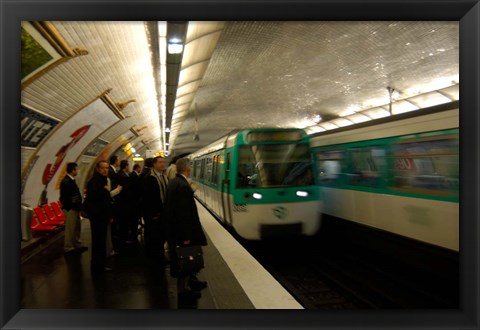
{"points": [[189, 259]]}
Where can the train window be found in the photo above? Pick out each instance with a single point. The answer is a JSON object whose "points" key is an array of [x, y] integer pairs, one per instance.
{"points": [[274, 165], [198, 165], [227, 170], [429, 164], [208, 168], [215, 169], [202, 169], [366, 166], [329, 164]]}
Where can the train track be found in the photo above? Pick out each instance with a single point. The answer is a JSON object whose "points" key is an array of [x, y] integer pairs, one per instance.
{"points": [[335, 270], [323, 275]]}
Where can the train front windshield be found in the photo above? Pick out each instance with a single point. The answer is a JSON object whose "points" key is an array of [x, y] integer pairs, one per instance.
{"points": [[274, 165]]}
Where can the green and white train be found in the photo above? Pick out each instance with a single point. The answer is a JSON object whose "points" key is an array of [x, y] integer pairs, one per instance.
{"points": [[260, 182], [400, 176]]}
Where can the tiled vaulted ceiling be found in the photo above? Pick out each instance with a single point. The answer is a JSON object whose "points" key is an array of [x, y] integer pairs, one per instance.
{"points": [[260, 74]]}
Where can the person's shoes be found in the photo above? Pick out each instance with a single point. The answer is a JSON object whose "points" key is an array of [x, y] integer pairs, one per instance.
{"points": [[114, 253], [197, 285], [189, 294], [81, 249]]}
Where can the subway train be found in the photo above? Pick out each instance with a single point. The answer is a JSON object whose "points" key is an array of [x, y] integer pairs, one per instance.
{"points": [[260, 182], [399, 175]]}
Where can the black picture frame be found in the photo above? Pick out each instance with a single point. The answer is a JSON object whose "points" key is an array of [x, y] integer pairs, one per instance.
{"points": [[467, 12]]}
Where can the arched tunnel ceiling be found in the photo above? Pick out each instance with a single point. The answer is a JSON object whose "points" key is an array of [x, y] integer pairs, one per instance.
{"points": [[281, 73], [260, 74]]}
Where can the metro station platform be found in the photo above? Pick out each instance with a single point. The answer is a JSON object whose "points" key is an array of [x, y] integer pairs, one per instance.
{"points": [[235, 279]]}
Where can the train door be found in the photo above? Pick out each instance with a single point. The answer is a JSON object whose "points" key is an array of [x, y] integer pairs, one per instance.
{"points": [[227, 215]]}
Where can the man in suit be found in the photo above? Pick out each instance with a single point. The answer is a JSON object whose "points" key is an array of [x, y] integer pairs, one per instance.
{"points": [[136, 202], [154, 187], [71, 200], [114, 228], [124, 212], [147, 168], [113, 169], [99, 208], [184, 226]]}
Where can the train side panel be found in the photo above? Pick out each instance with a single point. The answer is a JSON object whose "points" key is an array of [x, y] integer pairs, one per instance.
{"points": [[399, 176], [431, 221]]}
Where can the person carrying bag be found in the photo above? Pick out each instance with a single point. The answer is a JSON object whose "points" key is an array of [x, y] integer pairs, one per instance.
{"points": [[185, 233], [189, 259]]}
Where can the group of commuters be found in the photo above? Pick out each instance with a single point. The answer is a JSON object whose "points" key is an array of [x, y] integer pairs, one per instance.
{"points": [[116, 200]]}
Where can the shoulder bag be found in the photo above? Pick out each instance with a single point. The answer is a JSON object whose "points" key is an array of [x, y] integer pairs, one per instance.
{"points": [[189, 259]]}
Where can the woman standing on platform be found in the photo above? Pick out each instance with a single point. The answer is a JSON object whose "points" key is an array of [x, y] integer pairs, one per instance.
{"points": [[100, 211]]}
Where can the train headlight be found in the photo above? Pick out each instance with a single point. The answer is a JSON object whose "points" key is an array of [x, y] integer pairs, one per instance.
{"points": [[301, 193], [257, 196]]}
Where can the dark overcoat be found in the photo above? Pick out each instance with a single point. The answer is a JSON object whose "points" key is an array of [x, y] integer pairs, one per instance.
{"points": [[152, 204], [182, 215], [98, 201], [124, 207]]}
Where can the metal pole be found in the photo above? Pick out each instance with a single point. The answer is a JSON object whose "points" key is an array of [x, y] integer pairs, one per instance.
{"points": [[390, 92]]}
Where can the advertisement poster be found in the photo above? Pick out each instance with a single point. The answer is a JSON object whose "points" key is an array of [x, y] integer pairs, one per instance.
{"points": [[34, 127], [70, 140]]}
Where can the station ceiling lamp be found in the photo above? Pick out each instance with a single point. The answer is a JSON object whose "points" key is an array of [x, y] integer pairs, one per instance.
{"points": [[175, 46]]}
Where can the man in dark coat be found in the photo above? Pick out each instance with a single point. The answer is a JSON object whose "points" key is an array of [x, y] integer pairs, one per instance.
{"points": [[147, 168], [123, 208], [154, 189], [135, 202], [113, 169], [184, 225], [71, 200], [100, 210]]}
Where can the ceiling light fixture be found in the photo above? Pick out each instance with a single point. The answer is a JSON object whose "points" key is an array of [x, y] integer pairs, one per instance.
{"points": [[175, 46], [162, 32]]}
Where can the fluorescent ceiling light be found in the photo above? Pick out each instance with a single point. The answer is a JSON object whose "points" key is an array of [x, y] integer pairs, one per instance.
{"points": [[175, 46], [328, 125], [341, 122], [358, 118], [376, 113]]}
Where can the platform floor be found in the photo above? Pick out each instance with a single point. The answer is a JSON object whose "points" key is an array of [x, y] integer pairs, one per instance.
{"points": [[51, 280]]}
